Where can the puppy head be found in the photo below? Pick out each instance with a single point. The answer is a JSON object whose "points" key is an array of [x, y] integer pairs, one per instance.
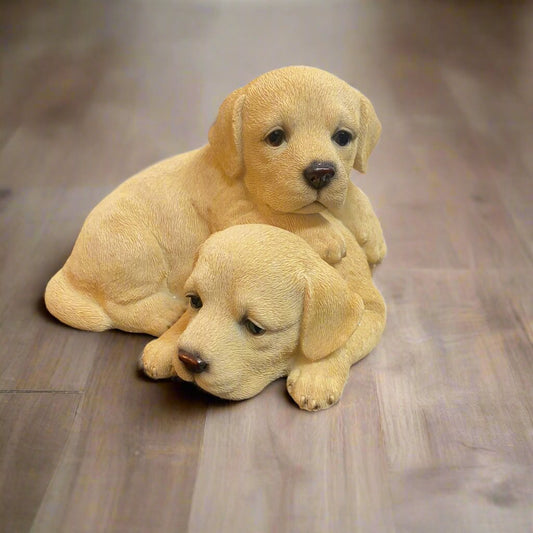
{"points": [[260, 296], [294, 134]]}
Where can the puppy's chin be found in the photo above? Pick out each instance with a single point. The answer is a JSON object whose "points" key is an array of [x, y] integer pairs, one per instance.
{"points": [[306, 209], [236, 387], [234, 395], [227, 391], [315, 207], [306, 203]]}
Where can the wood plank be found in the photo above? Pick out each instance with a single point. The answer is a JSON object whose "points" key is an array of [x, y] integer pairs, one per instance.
{"points": [[130, 461], [34, 430], [38, 352], [455, 400], [267, 467]]}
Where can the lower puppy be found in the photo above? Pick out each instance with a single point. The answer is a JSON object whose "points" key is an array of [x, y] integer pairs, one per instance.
{"points": [[262, 305]]}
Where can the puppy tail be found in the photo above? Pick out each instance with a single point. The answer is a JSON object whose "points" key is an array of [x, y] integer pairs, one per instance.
{"points": [[73, 307]]}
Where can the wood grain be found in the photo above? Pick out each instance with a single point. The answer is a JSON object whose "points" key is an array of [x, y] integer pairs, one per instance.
{"points": [[34, 430], [122, 462], [435, 428]]}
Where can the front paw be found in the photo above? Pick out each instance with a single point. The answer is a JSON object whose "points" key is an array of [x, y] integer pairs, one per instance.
{"points": [[331, 247], [156, 360], [315, 386], [374, 248]]}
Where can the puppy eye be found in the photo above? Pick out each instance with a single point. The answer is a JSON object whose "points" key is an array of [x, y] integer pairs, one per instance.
{"points": [[195, 301], [254, 329], [342, 137], [276, 137]]}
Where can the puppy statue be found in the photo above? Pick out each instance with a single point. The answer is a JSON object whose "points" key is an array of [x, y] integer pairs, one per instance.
{"points": [[262, 305], [279, 153]]}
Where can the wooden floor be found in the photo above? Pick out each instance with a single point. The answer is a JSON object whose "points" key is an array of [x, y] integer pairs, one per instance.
{"points": [[435, 429]]}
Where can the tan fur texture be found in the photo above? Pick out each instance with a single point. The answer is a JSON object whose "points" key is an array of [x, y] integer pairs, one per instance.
{"points": [[318, 319], [136, 248]]}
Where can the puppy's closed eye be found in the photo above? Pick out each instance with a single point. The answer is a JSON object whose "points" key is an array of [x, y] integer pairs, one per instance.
{"points": [[253, 328], [194, 300]]}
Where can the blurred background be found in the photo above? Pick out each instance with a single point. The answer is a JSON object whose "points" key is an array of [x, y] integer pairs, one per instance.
{"points": [[434, 432], [119, 85]]}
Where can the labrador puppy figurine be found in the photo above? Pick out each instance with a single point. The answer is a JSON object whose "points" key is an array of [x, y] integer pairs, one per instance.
{"points": [[279, 153], [262, 305]]}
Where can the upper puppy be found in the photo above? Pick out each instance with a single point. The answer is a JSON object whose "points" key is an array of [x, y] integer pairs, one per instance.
{"points": [[279, 153]]}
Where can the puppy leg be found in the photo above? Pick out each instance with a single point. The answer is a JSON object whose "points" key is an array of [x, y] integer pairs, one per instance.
{"points": [[73, 307], [358, 216], [319, 233], [319, 384], [153, 314], [157, 359]]}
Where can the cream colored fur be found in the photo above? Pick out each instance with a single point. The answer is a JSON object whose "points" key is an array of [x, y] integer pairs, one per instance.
{"points": [[318, 319], [136, 248]]}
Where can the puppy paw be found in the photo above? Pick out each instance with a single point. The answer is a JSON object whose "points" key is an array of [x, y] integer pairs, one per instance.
{"points": [[375, 251], [331, 248], [373, 245], [156, 360], [324, 239], [314, 386]]}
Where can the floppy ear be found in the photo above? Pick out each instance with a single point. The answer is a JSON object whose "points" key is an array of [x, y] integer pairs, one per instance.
{"points": [[369, 132], [330, 313], [225, 135]]}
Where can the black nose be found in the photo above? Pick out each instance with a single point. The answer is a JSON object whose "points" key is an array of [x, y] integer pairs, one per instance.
{"points": [[318, 175], [193, 363]]}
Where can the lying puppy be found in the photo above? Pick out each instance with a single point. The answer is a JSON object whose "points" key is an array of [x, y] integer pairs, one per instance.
{"points": [[279, 153], [264, 305]]}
